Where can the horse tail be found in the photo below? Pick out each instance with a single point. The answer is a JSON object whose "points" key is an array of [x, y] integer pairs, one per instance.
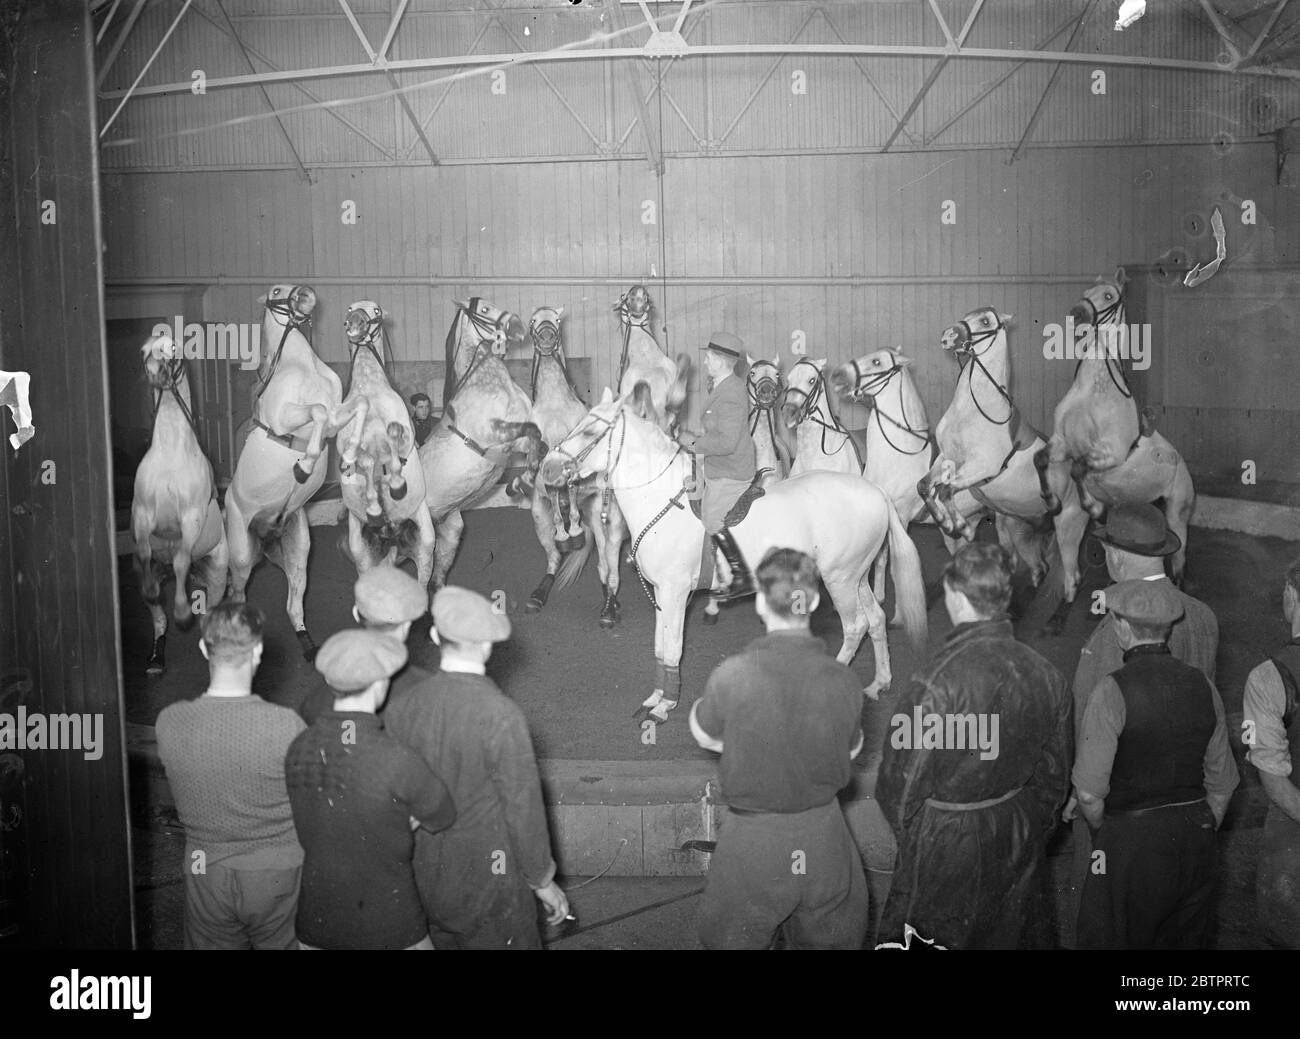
{"points": [[909, 584], [677, 392], [573, 564]]}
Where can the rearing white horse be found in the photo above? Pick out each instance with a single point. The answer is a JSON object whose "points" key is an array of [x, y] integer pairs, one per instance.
{"points": [[651, 475], [297, 407], [644, 360], [174, 515]]}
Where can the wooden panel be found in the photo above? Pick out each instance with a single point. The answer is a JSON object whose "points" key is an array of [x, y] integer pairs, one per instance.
{"points": [[58, 574]]}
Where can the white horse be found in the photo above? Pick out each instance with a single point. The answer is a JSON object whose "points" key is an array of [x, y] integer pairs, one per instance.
{"points": [[821, 441], [559, 513], [1115, 456], [175, 519], [297, 407], [644, 360], [485, 419], [384, 488], [15, 394], [651, 475], [986, 447]]}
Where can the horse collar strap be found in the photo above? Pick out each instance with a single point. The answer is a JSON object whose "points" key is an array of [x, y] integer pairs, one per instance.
{"points": [[296, 443], [470, 442]]}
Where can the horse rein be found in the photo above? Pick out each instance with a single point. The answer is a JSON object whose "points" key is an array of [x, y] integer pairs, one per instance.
{"points": [[545, 336], [763, 393], [1104, 318], [628, 319], [175, 371], [869, 385], [967, 346], [287, 308]]}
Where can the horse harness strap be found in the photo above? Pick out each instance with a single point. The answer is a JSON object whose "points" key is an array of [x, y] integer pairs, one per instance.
{"points": [[292, 321], [470, 442], [675, 502], [1023, 436], [295, 443]]}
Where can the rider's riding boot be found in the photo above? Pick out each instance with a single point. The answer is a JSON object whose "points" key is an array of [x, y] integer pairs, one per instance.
{"points": [[741, 581]]}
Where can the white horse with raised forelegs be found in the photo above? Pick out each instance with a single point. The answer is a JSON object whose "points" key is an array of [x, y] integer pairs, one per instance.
{"points": [[651, 477], [1116, 456], [644, 360], [383, 488], [297, 407], [15, 394], [821, 441], [175, 520], [987, 448], [560, 512]]}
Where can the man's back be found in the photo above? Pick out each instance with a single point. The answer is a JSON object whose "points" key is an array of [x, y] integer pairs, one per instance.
{"points": [[224, 758]]}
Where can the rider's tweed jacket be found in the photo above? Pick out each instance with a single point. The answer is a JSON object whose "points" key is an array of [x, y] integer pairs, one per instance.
{"points": [[726, 449], [968, 876]]}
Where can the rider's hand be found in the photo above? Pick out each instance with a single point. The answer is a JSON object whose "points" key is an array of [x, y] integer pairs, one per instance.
{"points": [[555, 901], [1070, 811]]}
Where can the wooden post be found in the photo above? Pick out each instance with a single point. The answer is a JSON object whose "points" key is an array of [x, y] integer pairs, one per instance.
{"points": [[65, 855]]}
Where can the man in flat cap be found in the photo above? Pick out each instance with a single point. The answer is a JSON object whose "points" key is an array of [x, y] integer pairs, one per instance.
{"points": [[356, 793], [480, 880], [1136, 540], [385, 600], [727, 452], [1153, 775]]}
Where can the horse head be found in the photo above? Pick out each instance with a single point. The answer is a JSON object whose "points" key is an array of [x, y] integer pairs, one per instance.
{"points": [[763, 382], [805, 386], [578, 456], [1100, 303], [544, 330], [163, 366], [497, 327], [978, 327], [289, 305], [363, 323], [862, 379], [634, 306]]}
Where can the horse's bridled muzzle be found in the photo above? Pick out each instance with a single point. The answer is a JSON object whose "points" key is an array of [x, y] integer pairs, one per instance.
{"points": [[303, 300], [1082, 314], [956, 337]]}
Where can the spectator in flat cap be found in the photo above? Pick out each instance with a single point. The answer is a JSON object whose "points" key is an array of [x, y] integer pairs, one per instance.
{"points": [[727, 459], [386, 600], [1153, 776], [356, 794], [421, 418], [479, 879], [224, 756], [1136, 539]]}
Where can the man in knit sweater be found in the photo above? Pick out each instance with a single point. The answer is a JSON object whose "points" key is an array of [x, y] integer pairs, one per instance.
{"points": [[480, 880], [356, 792], [224, 755]]}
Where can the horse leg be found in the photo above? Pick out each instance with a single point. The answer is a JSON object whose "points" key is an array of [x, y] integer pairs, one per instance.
{"points": [[577, 536], [1041, 459], [295, 546], [215, 569], [295, 416], [358, 547], [1070, 524], [147, 573], [544, 524], [861, 613], [360, 407], [671, 621], [448, 541], [1179, 501], [879, 565], [612, 534], [424, 547], [1079, 474]]}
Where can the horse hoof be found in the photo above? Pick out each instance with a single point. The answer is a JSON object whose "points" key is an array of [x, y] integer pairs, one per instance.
{"points": [[608, 618], [308, 646], [534, 604], [397, 493], [299, 473], [155, 668], [710, 618]]}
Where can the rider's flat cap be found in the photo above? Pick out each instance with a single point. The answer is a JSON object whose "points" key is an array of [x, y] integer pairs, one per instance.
{"points": [[356, 658], [1148, 602], [465, 616], [387, 595], [726, 343]]}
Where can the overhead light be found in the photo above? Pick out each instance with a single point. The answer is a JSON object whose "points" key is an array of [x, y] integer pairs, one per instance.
{"points": [[1129, 12]]}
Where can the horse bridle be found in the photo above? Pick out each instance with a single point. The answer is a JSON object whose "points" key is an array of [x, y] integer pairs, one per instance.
{"points": [[545, 336], [488, 328], [1099, 318], [965, 350], [763, 391], [294, 318], [362, 325], [174, 368], [810, 401], [869, 384], [641, 319]]}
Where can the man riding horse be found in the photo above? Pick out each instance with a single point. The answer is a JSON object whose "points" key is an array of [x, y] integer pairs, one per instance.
{"points": [[727, 449]]}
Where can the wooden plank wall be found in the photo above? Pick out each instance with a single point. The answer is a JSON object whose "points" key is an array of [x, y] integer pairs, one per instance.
{"points": [[846, 222], [58, 575]]}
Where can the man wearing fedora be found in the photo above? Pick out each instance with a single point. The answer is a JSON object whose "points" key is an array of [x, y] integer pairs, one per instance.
{"points": [[1153, 776], [726, 450], [480, 880], [355, 793], [1137, 540], [1271, 733], [387, 601]]}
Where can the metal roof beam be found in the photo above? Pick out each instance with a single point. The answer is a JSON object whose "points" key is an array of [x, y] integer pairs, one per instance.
{"points": [[1268, 28], [747, 50], [104, 66], [1051, 83], [1222, 30], [126, 96]]}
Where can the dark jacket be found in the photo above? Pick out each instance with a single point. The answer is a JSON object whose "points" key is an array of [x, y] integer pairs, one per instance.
{"points": [[726, 448]]}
